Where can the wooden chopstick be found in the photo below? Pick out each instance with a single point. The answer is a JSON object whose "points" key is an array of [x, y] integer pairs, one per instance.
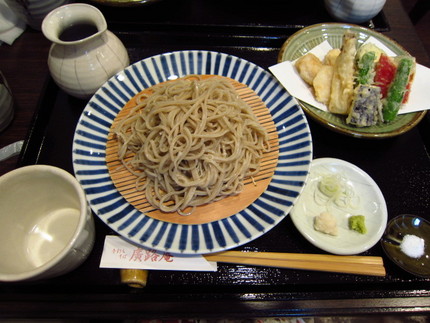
{"points": [[362, 265], [301, 256]]}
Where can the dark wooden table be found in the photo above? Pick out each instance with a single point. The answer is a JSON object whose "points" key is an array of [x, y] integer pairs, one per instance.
{"points": [[100, 296]]}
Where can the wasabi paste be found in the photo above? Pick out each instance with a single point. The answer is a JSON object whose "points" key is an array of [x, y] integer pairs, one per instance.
{"points": [[357, 223]]}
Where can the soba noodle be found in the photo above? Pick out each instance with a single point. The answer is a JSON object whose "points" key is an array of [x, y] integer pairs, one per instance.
{"points": [[190, 142]]}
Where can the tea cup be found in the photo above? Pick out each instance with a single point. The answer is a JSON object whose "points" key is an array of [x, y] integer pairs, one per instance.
{"points": [[354, 11], [46, 225]]}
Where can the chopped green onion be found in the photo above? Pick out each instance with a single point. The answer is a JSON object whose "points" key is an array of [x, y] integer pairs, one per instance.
{"points": [[329, 186]]}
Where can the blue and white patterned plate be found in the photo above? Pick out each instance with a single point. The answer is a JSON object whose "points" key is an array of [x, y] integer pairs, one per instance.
{"points": [[89, 145]]}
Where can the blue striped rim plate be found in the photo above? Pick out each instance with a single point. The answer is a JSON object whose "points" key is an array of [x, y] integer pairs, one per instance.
{"points": [[89, 145]]}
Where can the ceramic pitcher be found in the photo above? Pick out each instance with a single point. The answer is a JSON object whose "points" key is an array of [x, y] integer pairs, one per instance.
{"points": [[84, 54]]}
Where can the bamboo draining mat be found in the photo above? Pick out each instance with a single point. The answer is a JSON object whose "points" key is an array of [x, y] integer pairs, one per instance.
{"points": [[125, 182]]}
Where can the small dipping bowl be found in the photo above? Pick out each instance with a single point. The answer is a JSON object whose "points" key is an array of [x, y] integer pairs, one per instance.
{"points": [[46, 226], [397, 229]]}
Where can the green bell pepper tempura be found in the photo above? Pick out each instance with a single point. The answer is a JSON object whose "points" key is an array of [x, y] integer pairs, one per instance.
{"points": [[397, 90], [365, 68]]}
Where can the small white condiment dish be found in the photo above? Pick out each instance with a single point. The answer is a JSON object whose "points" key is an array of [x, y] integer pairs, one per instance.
{"points": [[397, 229], [369, 202], [46, 226]]}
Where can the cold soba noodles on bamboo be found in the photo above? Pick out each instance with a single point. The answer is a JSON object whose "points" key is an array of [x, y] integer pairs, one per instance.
{"points": [[190, 142]]}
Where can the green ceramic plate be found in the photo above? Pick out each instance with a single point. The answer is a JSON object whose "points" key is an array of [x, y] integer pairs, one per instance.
{"points": [[306, 39]]}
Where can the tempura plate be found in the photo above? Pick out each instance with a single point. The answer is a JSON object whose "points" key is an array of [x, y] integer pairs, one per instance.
{"points": [[309, 37], [89, 155]]}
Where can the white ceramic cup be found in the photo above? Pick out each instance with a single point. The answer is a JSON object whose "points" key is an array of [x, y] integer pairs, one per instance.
{"points": [[354, 11], [46, 225]]}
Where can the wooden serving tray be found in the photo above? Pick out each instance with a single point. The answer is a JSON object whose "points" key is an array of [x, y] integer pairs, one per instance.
{"points": [[125, 181]]}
